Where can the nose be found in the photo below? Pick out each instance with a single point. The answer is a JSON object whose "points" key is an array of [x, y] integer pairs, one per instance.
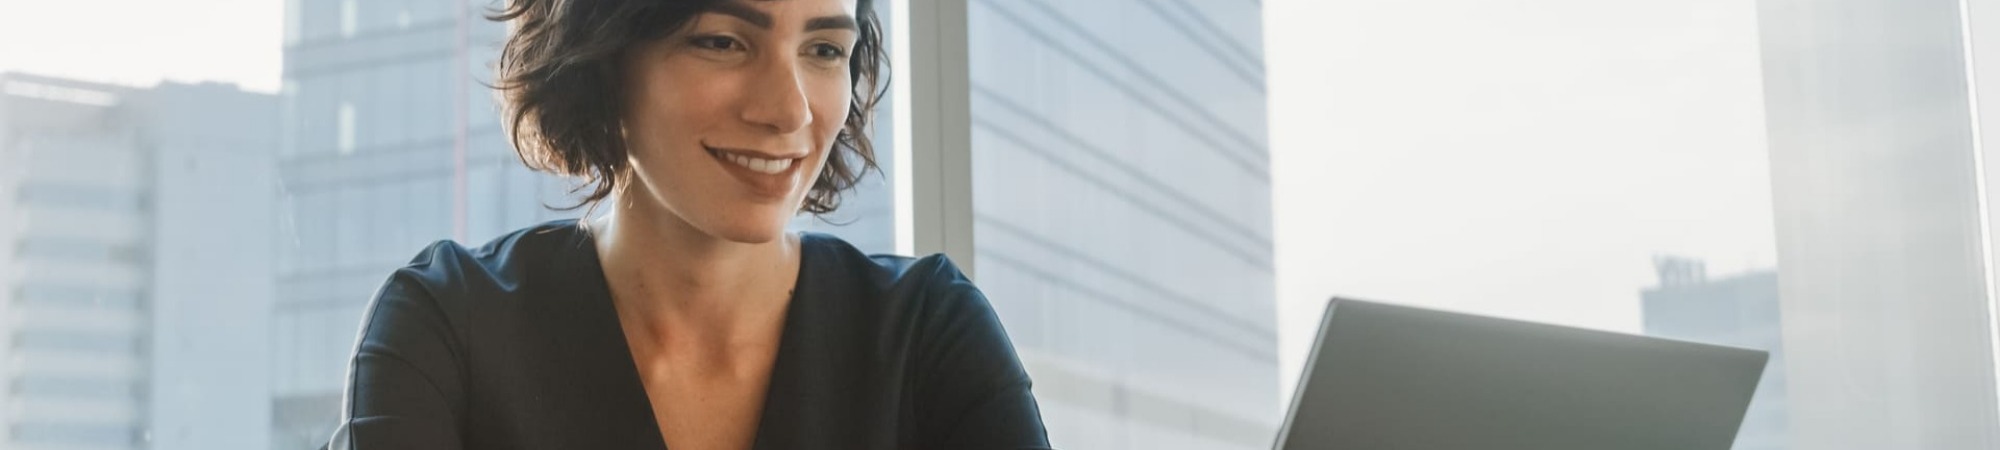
{"points": [[777, 100]]}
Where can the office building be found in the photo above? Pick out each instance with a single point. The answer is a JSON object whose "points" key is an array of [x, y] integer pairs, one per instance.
{"points": [[1883, 277], [1739, 311], [134, 255], [1121, 175], [379, 104]]}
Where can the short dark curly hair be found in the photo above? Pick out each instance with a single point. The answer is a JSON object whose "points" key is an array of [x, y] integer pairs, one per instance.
{"points": [[560, 78]]}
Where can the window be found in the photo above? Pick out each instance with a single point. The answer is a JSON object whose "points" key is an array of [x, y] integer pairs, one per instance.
{"points": [[349, 17], [344, 126], [1156, 195], [1783, 175]]}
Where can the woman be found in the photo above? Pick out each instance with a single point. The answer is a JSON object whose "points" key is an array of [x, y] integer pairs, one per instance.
{"points": [[686, 316]]}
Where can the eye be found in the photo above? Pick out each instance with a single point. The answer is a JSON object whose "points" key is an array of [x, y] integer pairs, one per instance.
{"points": [[715, 42], [828, 51]]}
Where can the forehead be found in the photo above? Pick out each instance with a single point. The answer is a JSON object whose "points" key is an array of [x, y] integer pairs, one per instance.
{"points": [[792, 7]]}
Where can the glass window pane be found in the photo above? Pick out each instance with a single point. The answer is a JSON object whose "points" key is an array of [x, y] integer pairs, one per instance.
{"points": [[1123, 215], [1745, 174], [1164, 194]]}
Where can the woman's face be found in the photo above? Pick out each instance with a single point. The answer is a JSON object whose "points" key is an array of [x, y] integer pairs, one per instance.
{"points": [[731, 120]]}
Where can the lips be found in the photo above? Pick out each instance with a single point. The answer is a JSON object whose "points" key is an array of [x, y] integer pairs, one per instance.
{"points": [[764, 175]]}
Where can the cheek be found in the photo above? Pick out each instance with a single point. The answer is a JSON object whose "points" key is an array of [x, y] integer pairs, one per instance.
{"points": [[666, 112], [830, 103]]}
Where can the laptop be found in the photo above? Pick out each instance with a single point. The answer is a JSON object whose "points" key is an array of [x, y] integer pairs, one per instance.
{"points": [[1384, 376]]}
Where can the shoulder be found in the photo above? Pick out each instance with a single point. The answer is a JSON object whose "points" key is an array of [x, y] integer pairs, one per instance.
{"points": [[449, 277], [930, 282], [504, 260], [407, 377], [929, 297], [967, 377]]}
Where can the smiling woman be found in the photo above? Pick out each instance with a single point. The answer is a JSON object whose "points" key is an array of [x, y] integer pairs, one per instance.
{"points": [[686, 316]]}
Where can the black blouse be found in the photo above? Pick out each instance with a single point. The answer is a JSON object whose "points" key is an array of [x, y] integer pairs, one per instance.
{"points": [[516, 345]]}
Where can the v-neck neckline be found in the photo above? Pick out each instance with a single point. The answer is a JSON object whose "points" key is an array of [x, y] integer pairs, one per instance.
{"points": [[591, 270]]}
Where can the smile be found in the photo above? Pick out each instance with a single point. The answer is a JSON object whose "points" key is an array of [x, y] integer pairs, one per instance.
{"points": [[756, 164], [763, 175]]}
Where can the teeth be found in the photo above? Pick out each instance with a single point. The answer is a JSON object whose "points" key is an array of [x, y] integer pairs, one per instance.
{"points": [[759, 165]]}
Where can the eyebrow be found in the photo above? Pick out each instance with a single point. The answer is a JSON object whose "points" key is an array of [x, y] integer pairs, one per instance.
{"points": [[763, 20], [840, 22]]}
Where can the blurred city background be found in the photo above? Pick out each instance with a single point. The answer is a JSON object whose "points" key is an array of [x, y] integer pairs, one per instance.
{"points": [[198, 197]]}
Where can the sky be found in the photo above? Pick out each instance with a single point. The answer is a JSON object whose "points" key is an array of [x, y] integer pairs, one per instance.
{"points": [[239, 41], [1524, 159]]}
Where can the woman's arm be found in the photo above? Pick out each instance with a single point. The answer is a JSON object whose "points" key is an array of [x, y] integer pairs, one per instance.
{"points": [[404, 387]]}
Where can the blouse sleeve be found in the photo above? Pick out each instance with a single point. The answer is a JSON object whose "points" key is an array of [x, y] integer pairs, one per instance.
{"points": [[404, 386], [978, 394]]}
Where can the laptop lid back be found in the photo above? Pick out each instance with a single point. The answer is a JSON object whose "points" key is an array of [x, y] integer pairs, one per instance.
{"points": [[1385, 376]]}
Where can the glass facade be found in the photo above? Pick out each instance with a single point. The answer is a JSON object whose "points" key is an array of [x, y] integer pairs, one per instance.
{"points": [[104, 344], [1122, 204], [370, 174], [72, 317], [1886, 290]]}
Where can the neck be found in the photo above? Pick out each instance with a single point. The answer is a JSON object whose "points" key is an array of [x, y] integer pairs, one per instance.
{"points": [[679, 285]]}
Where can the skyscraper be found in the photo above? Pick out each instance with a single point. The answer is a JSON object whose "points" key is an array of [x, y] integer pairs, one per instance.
{"points": [[1741, 311], [383, 124], [134, 255], [1122, 191], [1882, 262]]}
